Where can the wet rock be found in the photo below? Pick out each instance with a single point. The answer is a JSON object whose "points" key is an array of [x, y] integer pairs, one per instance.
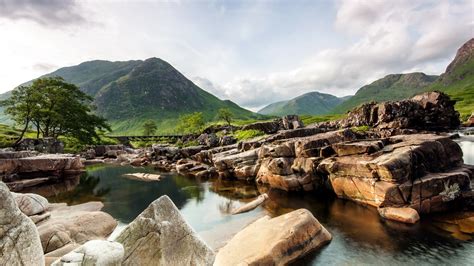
{"points": [[195, 169], [404, 215], [94, 252], [275, 241], [160, 236], [459, 224], [251, 205], [74, 224], [31, 204], [19, 240]]}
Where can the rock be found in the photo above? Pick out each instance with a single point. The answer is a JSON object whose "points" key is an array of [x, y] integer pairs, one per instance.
{"points": [[74, 224], [94, 252], [404, 215], [31, 204], [427, 111], [160, 236], [291, 122], [227, 140], [44, 145], [19, 240], [195, 169], [470, 121], [459, 224], [106, 150], [275, 241], [270, 127], [251, 205], [242, 165], [209, 140], [144, 176]]}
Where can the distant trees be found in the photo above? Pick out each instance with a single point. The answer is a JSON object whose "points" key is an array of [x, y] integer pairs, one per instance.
{"points": [[226, 115], [190, 123], [149, 128], [54, 108]]}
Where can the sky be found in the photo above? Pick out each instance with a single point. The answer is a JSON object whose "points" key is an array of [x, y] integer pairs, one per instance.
{"points": [[251, 52]]}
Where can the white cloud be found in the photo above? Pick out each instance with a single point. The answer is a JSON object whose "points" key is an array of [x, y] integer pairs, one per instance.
{"points": [[391, 37]]}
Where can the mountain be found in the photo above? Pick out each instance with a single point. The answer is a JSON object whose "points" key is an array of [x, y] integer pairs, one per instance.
{"points": [[311, 103], [458, 79], [389, 88], [129, 93]]}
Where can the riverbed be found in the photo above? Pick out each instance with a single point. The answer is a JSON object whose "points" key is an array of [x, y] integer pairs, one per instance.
{"points": [[360, 235]]}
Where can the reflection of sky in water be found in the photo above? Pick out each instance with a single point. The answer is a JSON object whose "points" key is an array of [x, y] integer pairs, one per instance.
{"points": [[360, 236]]}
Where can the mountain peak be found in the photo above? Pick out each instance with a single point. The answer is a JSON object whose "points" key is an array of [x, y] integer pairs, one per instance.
{"points": [[463, 55]]}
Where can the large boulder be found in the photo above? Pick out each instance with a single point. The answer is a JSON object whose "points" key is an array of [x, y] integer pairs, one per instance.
{"points": [[160, 236], [94, 252], [19, 240], [45, 145], [74, 224], [426, 111], [275, 241], [31, 204]]}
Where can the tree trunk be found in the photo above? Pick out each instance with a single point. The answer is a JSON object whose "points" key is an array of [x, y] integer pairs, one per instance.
{"points": [[22, 132]]}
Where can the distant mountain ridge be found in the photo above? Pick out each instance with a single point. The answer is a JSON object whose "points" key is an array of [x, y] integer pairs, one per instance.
{"points": [[311, 103], [128, 93], [458, 79], [389, 88]]}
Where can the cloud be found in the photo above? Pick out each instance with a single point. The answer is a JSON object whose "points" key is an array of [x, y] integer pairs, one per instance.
{"points": [[390, 37], [43, 67], [44, 12]]}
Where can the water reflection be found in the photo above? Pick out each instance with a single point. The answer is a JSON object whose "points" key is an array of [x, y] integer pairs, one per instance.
{"points": [[360, 236]]}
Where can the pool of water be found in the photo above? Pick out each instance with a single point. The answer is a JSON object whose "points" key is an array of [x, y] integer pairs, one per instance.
{"points": [[360, 236]]}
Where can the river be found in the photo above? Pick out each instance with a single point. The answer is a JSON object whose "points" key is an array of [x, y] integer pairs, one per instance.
{"points": [[360, 236]]}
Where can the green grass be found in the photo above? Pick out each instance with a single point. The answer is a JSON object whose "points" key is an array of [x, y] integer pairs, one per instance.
{"points": [[459, 85], [247, 134], [311, 119]]}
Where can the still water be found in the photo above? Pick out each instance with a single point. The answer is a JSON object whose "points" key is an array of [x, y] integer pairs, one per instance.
{"points": [[360, 236]]}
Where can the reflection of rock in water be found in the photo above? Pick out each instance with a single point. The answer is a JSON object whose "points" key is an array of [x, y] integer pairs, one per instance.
{"points": [[84, 190], [235, 189], [53, 189]]}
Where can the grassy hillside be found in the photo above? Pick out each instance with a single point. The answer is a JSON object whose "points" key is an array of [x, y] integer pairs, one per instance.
{"points": [[312, 103], [131, 92], [390, 88], [458, 80]]}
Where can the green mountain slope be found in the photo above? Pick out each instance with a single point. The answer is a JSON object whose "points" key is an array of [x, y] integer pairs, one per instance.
{"points": [[458, 80], [131, 92], [312, 103], [391, 87]]}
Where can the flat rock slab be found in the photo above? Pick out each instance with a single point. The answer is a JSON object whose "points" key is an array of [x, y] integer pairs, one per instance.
{"points": [[274, 241], [144, 176], [41, 163], [160, 236]]}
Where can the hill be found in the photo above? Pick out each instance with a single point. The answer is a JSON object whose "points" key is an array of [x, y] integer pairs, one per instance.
{"points": [[458, 79], [129, 93], [391, 87], [311, 103]]}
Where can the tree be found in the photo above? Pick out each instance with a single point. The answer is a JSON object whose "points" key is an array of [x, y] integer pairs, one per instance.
{"points": [[55, 108], [226, 115], [191, 123], [149, 128]]}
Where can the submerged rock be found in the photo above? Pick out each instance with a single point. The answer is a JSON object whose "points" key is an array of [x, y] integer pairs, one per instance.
{"points": [[19, 240], [275, 241], [404, 215], [144, 176], [94, 252], [160, 236], [251, 205]]}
